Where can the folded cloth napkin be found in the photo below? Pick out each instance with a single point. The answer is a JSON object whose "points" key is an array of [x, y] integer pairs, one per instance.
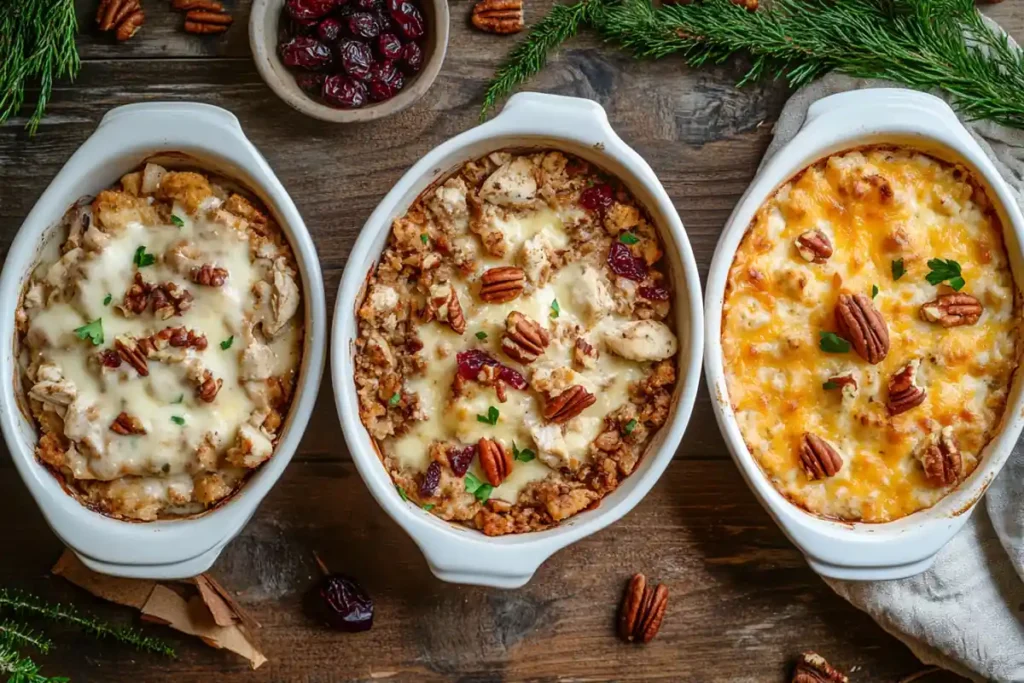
{"points": [[966, 613]]}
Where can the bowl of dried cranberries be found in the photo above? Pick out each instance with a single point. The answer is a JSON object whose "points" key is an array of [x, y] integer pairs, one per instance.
{"points": [[349, 60]]}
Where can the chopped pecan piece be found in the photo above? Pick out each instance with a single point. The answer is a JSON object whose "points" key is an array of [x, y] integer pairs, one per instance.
{"points": [[643, 609], [495, 460], [443, 304], [568, 404], [498, 16], [859, 321], [502, 284], [814, 246], [818, 458], [940, 456], [127, 425], [131, 354], [584, 355], [812, 668], [904, 391], [208, 388], [169, 299], [208, 275], [845, 383], [137, 297], [524, 340], [952, 310]]}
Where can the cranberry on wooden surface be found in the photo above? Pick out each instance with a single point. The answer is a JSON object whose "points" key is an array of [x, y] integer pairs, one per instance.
{"points": [[389, 46], [623, 263], [306, 53], [341, 91], [340, 602], [356, 58]]}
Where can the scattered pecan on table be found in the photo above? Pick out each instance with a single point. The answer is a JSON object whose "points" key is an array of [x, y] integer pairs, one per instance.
{"points": [[498, 16], [123, 17], [204, 17], [813, 668], [643, 609]]}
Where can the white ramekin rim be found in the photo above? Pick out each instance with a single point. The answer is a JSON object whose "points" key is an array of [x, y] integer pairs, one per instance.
{"points": [[455, 553], [862, 117], [126, 136]]}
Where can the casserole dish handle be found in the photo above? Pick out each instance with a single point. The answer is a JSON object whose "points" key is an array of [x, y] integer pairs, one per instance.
{"points": [[146, 110]]}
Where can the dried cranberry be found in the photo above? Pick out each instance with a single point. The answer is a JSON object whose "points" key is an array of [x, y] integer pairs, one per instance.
{"points": [[597, 198], [389, 46], [470, 362], [109, 358], [289, 27], [459, 458], [623, 263], [363, 25], [306, 53], [385, 81], [431, 480], [655, 293], [329, 30], [309, 9], [342, 603], [356, 58], [412, 57], [341, 91], [310, 82], [408, 17], [371, 5]]}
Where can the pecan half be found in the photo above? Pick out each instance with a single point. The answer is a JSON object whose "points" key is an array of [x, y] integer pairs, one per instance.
{"points": [[186, 5], [169, 299], [952, 310], [812, 668], [498, 16], [904, 391], [568, 404], [208, 275], [524, 340], [204, 22], [208, 388], [584, 355], [131, 354], [124, 17], [502, 284], [495, 460], [136, 299], [814, 246], [443, 304], [643, 609], [818, 458], [127, 425], [859, 321], [940, 456]]}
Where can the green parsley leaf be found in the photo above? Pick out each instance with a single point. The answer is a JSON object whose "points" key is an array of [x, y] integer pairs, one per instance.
{"points": [[424, 238], [830, 385], [555, 308], [178, 420], [181, 398], [525, 455], [832, 343], [491, 418], [93, 331], [401, 492], [628, 238], [481, 335], [630, 426], [143, 259], [942, 270], [226, 344], [428, 507], [177, 221], [897, 269], [478, 488], [874, 291], [107, 299], [393, 401]]}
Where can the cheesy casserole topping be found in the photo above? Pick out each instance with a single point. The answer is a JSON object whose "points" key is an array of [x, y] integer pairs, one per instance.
{"points": [[159, 339], [870, 333]]}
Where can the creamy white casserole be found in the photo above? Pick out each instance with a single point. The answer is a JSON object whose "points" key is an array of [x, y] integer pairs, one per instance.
{"points": [[159, 340]]}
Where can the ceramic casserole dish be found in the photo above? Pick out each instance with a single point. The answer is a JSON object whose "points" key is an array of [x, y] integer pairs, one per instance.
{"points": [[866, 119], [529, 122], [176, 135]]}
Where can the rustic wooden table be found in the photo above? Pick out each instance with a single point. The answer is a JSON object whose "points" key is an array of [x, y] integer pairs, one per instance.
{"points": [[743, 600]]}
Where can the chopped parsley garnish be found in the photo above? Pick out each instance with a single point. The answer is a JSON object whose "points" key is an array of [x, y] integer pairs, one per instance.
{"points": [[481, 335], [830, 385], [428, 507], [401, 492], [478, 488], [945, 270], [491, 418], [177, 221], [107, 299], [832, 343], [874, 291], [630, 426], [424, 238], [897, 269], [178, 420], [393, 401], [226, 344], [525, 455], [143, 259], [181, 397], [555, 308], [628, 238], [92, 331]]}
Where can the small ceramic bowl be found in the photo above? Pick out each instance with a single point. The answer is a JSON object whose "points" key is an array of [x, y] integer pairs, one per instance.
{"points": [[263, 40]]}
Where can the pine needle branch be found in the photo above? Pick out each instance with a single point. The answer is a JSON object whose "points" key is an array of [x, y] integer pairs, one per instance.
{"points": [[16, 636], [25, 604], [18, 669]]}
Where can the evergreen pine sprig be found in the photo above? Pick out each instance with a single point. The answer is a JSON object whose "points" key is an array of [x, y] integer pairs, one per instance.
{"points": [[37, 42], [16, 636], [26, 604], [18, 669]]}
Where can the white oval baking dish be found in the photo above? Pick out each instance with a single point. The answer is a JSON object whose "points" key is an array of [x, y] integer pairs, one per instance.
{"points": [[579, 126], [906, 546], [212, 139]]}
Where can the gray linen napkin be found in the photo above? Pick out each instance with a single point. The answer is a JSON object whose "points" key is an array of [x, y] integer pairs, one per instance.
{"points": [[966, 613]]}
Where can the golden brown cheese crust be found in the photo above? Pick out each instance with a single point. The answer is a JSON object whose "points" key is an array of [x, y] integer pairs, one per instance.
{"points": [[885, 213]]}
